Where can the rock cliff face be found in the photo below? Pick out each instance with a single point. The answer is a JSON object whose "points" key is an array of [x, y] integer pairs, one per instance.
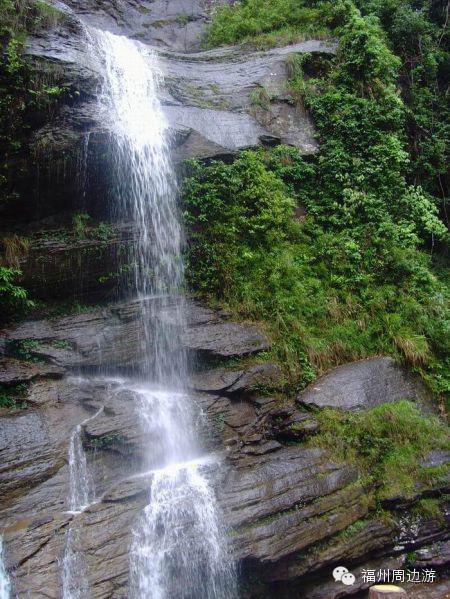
{"points": [[208, 98], [289, 506], [292, 510]]}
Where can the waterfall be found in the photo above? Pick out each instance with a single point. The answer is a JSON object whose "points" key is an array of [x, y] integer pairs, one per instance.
{"points": [[81, 495], [145, 192], [178, 547], [81, 487], [5, 586]]}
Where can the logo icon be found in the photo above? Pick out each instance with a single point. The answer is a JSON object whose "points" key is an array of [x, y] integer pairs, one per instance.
{"points": [[341, 574]]}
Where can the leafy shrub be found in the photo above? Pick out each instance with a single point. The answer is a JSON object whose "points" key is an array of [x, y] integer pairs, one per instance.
{"points": [[327, 296], [388, 442], [80, 222], [24, 350], [13, 298], [251, 18], [353, 278], [21, 92], [13, 397]]}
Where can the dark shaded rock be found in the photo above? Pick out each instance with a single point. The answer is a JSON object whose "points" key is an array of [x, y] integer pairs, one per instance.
{"points": [[346, 548], [288, 423], [13, 372], [363, 385], [112, 335], [335, 590], [252, 379], [434, 556], [60, 266], [417, 529], [268, 500], [241, 420], [207, 98], [289, 509], [226, 339], [438, 590]]}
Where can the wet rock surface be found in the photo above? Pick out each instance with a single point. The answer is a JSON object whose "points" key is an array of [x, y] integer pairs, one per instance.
{"points": [[176, 25], [289, 507], [13, 372], [292, 511], [59, 265], [207, 96], [112, 336], [363, 385]]}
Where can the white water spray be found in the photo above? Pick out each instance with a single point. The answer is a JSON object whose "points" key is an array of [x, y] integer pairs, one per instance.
{"points": [[81, 495], [81, 486], [178, 548], [145, 192], [5, 585]]}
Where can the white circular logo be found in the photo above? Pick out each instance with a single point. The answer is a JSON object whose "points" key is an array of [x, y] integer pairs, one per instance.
{"points": [[339, 572], [348, 578]]}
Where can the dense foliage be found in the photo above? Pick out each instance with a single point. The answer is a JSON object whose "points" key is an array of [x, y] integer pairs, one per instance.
{"points": [[13, 297], [418, 33], [21, 92], [389, 443], [355, 277], [263, 23], [22, 96]]}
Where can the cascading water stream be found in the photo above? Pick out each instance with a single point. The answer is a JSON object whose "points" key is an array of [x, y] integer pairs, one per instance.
{"points": [[81, 485], [81, 495], [5, 586], [178, 544]]}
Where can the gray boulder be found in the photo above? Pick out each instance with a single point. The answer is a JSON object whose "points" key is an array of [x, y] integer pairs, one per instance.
{"points": [[363, 385]]}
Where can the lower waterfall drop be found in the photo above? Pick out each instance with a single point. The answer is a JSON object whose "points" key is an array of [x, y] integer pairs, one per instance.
{"points": [[179, 548], [5, 585], [81, 494]]}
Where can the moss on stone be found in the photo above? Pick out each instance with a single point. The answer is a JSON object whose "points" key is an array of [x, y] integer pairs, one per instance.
{"points": [[388, 442]]}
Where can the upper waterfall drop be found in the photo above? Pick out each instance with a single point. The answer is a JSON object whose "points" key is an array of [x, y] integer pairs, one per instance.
{"points": [[178, 548], [144, 191]]}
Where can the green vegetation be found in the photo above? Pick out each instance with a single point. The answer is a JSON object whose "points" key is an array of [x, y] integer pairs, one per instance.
{"points": [[15, 248], [358, 276], [122, 271], [62, 344], [24, 350], [79, 222], [327, 294], [265, 24], [22, 91], [430, 508], [388, 442], [418, 33], [13, 298], [260, 98], [81, 229], [107, 441], [12, 397]]}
